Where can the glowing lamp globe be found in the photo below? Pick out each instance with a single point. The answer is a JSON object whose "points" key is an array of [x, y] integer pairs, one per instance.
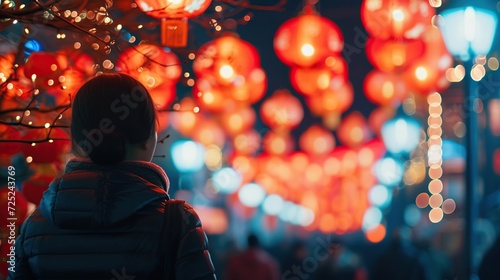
{"points": [[354, 130], [468, 30], [42, 66], [278, 143], [334, 100], [401, 135], [307, 39], [282, 111], [398, 19], [188, 156], [238, 120], [174, 15]]}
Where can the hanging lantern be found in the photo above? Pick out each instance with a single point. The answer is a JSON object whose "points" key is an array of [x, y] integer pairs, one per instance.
{"points": [[35, 186], [383, 88], [428, 74], [336, 99], [278, 143], [210, 96], [247, 142], [282, 111], [155, 68], [43, 68], [317, 141], [311, 81], [354, 130], [185, 117], [386, 19], [228, 59], [49, 151], [393, 55], [252, 90], [238, 120], [307, 39], [8, 132], [208, 132], [174, 15]]}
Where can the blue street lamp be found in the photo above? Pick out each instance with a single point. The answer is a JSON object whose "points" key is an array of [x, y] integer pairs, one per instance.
{"points": [[468, 32]]}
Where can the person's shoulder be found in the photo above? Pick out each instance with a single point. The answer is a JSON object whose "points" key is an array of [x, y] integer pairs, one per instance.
{"points": [[188, 214]]}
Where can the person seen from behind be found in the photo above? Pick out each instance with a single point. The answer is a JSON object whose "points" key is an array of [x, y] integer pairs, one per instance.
{"points": [[104, 217]]}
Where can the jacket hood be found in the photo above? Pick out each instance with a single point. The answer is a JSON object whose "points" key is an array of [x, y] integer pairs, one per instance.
{"points": [[92, 196]]}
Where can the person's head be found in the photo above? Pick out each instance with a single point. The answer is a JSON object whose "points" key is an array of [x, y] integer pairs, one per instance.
{"points": [[113, 120], [253, 241]]}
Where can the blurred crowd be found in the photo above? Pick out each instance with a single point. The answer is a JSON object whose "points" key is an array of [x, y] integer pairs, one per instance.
{"points": [[328, 257]]}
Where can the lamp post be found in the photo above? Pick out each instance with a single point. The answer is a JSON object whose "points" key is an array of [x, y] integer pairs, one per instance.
{"points": [[468, 32]]}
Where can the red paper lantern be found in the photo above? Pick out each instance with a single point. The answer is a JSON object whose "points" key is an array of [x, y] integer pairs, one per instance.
{"points": [[354, 130], [386, 19], [49, 151], [428, 74], [317, 141], [238, 120], [208, 132], [311, 81], [336, 99], [307, 39], [278, 143], [43, 66], [282, 111], [228, 59], [247, 142], [210, 96], [35, 186], [163, 95], [8, 132], [393, 55], [174, 15], [252, 90], [384, 88], [184, 118]]}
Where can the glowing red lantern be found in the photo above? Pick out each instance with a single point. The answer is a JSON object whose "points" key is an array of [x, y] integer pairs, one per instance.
{"points": [[393, 55], [247, 142], [252, 90], [8, 132], [428, 74], [384, 88], [43, 66], [311, 81], [278, 143], [386, 19], [228, 59], [208, 132], [307, 39], [354, 130], [238, 120], [35, 186], [336, 99], [210, 96], [184, 117], [282, 111], [317, 141], [163, 95], [49, 151], [174, 15], [154, 67]]}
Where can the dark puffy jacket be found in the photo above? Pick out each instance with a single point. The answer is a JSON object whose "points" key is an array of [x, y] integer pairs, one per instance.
{"points": [[97, 222]]}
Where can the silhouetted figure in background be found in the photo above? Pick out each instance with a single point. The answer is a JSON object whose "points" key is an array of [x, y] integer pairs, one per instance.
{"points": [[253, 263], [341, 264], [400, 261], [490, 265]]}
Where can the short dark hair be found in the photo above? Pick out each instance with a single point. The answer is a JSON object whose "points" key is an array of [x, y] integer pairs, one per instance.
{"points": [[109, 111]]}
